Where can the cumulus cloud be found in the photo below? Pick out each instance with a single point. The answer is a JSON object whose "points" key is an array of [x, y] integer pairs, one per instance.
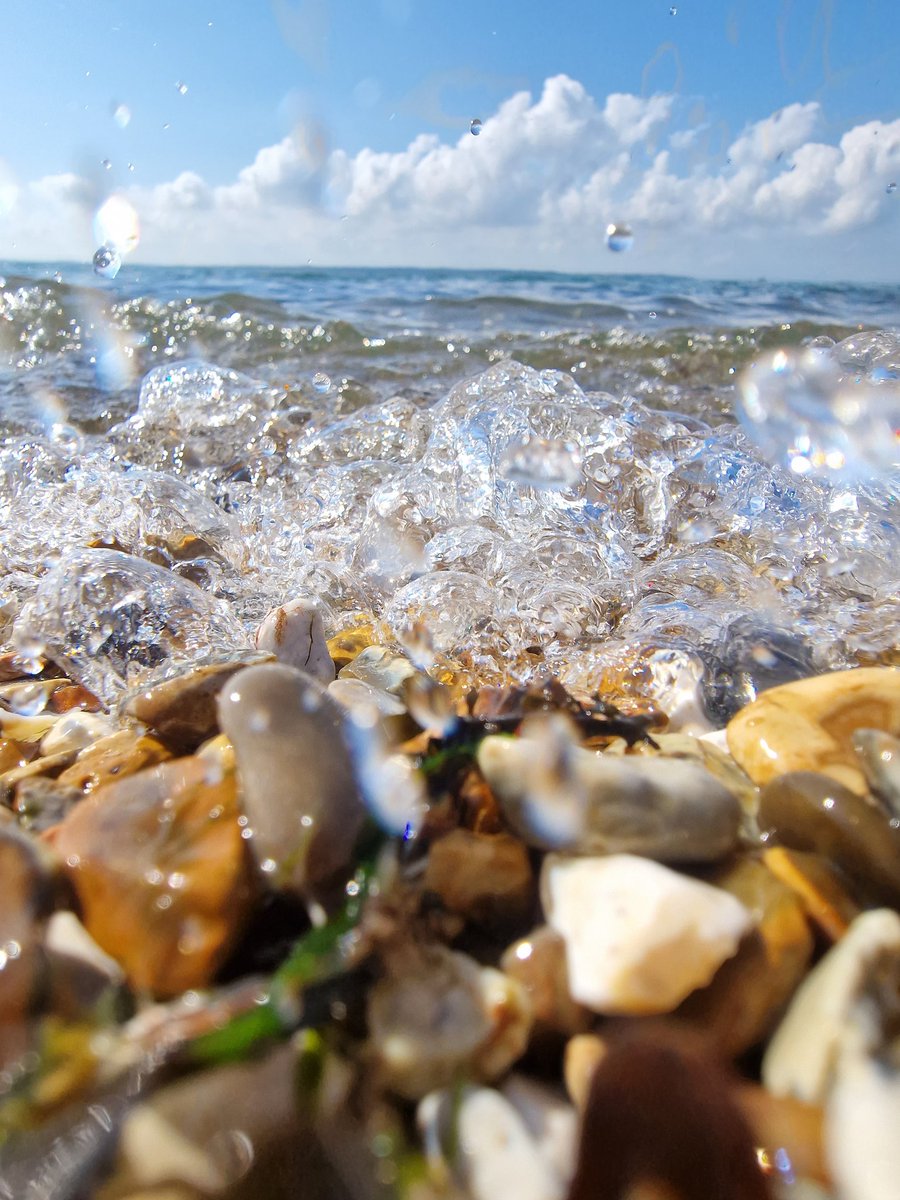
{"points": [[539, 184]]}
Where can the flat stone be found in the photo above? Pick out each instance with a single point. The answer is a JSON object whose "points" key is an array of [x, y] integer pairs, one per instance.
{"points": [[639, 937], [159, 865], [181, 711], [808, 811], [295, 635], [837, 1002], [748, 994], [809, 725], [297, 785], [114, 757], [558, 795]]}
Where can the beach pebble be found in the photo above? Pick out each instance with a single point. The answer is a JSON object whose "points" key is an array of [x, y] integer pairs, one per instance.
{"points": [[806, 811], [297, 785], [484, 1142], [583, 1055], [439, 1015], [75, 731], [809, 725], [846, 996], [879, 756], [295, 635], [159, 866], [27, 900], [40, 803], [483, 877], [123, 753], [538, 963], [750, 991], [821, 889], [639, 937], [558, 795], [181, 710]]}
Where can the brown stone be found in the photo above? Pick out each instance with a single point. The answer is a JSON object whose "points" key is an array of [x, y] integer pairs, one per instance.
{"points": [[748, 993], [114, 757], [819, 887], [484, 877], [159, 866], [25, 902], [70, 696], [538, 962]]}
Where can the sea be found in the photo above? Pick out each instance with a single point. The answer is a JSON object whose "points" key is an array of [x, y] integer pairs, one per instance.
{"points": [[517, 472]]}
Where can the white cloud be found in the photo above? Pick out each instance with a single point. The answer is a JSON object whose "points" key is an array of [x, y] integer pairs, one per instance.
{"points": [[536, 188]]}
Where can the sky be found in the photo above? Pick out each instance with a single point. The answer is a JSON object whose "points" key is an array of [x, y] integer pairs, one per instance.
{"points": [[737, 138]]}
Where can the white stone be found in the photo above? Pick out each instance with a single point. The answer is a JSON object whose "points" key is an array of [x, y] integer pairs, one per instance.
{"points": [[75, 731], [639, 937], [294, 633], [807, 1045]]}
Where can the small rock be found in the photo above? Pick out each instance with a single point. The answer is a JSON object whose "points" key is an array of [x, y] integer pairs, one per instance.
{"points": [[809, 725], [806, 811], [749, 993], [41, 803], [483, 877], [71, 696], [538, 963], [820, 888], [584, 1053], [159, 866], [440, 1016], [298, 789], [639, 937], [114, 757], [27, 900], [856, 978], [558, 795], [879, 754], [295, 635], [182, 710], [15, 754], [75, 731], [348, 643]]}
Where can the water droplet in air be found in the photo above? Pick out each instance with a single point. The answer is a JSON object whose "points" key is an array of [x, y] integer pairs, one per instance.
{"points": [[116, 226], [619, 238], [321, 381], [121, 115], [673, 12], [652, 316], [891, 188], [107, 262], [475, 127], [181, 88], [106, 164]]}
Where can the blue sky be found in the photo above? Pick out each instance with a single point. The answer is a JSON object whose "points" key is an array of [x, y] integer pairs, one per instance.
{"points": [[324, 104]]}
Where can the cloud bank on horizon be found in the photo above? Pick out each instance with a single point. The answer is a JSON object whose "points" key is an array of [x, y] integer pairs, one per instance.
{"points": [[536, 189]]}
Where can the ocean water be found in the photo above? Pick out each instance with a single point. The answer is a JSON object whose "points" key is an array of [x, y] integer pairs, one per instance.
{"points": [[517, 473]]}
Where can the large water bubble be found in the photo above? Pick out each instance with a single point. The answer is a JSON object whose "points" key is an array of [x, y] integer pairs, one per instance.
{"points": [[619, 238], [107, 262], [475, 127]]}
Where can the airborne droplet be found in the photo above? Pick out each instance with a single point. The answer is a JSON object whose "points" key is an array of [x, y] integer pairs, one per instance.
{"points": [[181, 88], [891, 188], [321, 381], [122, 115], [475, 127], [619, 238], [107, 262]]}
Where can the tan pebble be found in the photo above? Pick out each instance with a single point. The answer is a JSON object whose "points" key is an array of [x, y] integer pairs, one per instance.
{"points": [[809, 725], [114, 757], [14, 754], [159, 867], [75, 731], [749, 992], [583, 1054], [484, 877], [818, 886], [72, 695], [344, 646], [538, 962]]}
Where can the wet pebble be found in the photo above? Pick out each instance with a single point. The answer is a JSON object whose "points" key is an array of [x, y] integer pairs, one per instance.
{"points": [[182, 711], [298, 790], [159, 866], [380, 668], [538, 962], [41, 803], [879, 755], [806, 811], [75, 731], [749, 993], [485, 878], [639, 936], [809, 725], [821, 889], [123, 753], [439, 1016], [557, 794], [295, 635], [27, 900]]}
